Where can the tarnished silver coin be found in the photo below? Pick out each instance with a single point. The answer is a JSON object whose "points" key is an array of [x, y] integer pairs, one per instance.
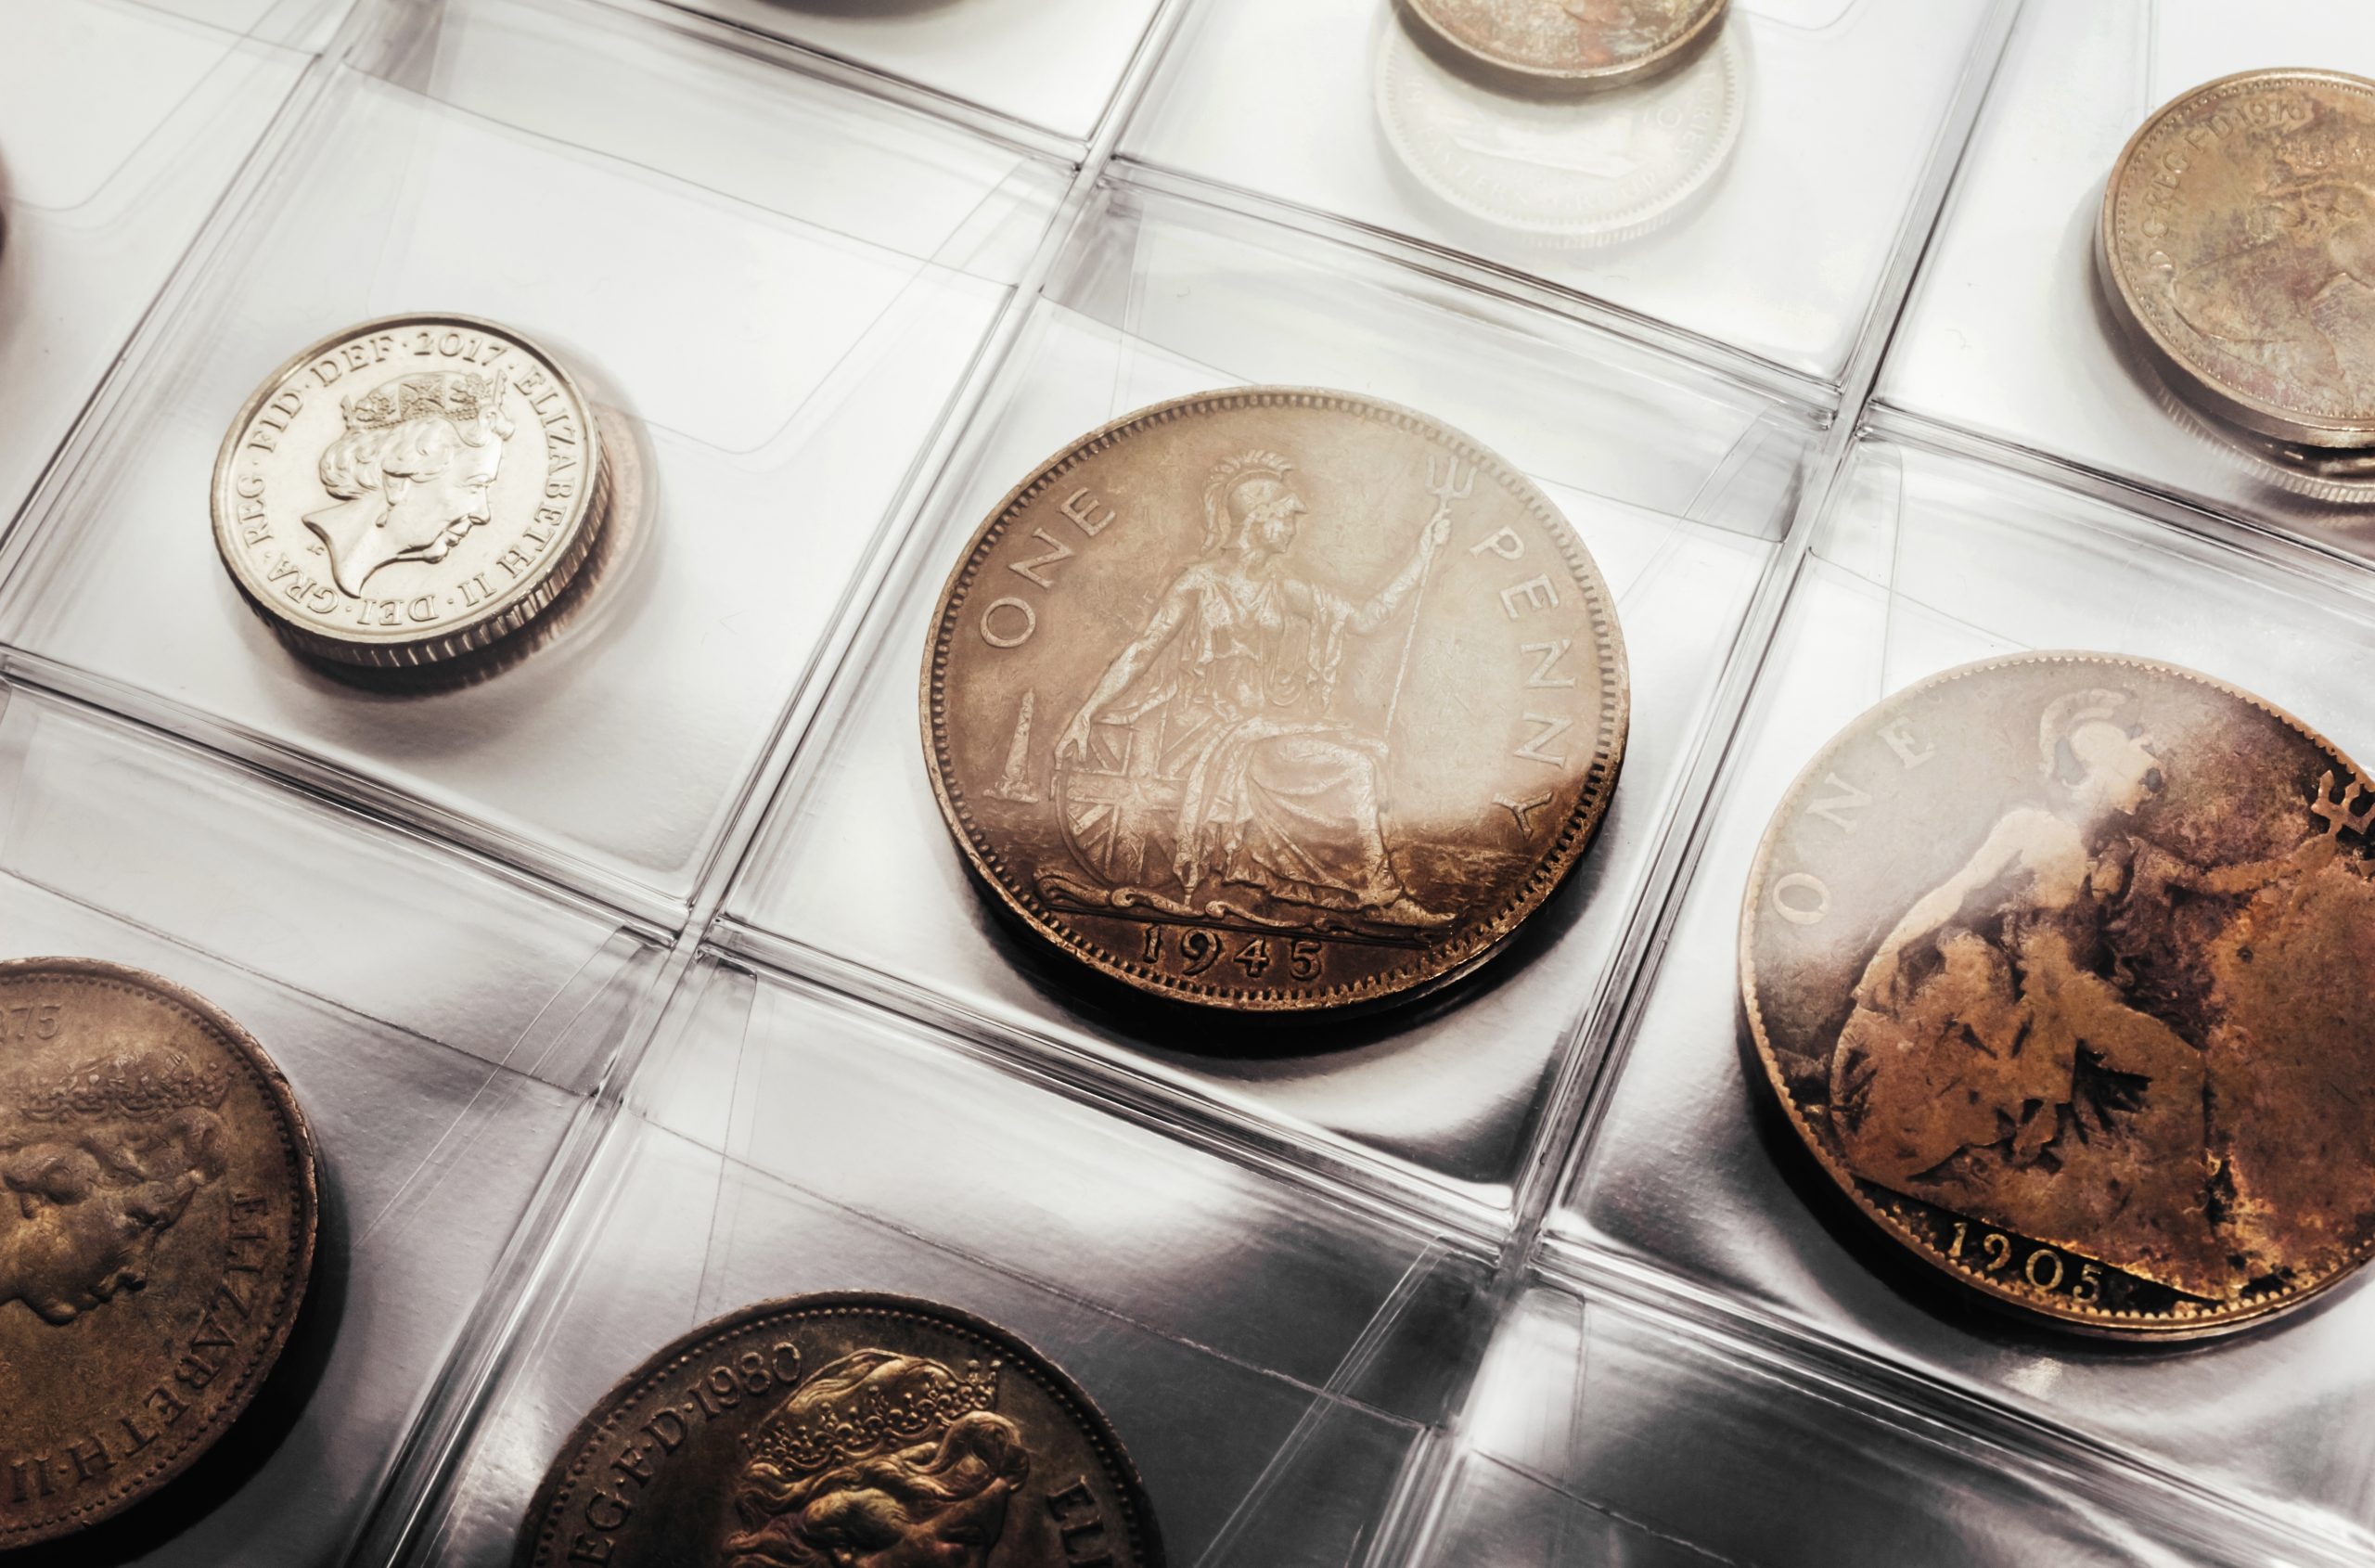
{"points": [[1574, 43], [410, 490], [2237, 243], [1568, 170]]}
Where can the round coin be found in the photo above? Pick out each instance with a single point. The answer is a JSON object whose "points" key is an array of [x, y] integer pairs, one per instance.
{"points": [[2238, 245], [1577, 42], [842, 1429], [156, 1238], [409, 491], [1275, 699], [1588, 172], [2064, 967]]}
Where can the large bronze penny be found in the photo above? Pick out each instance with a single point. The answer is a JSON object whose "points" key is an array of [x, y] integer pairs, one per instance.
{"points": [[156, 1236], [842, 1429], [410, 491], [2063, 965], [1580, 42], [2238, 244], [1275, 699]]}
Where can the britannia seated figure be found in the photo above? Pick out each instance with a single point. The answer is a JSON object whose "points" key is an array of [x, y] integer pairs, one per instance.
{"points": [[1283, 795]]}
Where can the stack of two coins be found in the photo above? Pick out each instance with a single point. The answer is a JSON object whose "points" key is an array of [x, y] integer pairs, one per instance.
{"points": [[2237, 245], [412, 492]]}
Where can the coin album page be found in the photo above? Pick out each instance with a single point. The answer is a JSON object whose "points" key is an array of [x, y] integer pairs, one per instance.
{"points": [[738, 1135]]}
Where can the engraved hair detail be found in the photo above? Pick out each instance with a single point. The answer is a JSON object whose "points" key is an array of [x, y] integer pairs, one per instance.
{"points": [[2329, 153], [1227, 474], [410, 429], [131, 1084], [878, 1450], [867, 1403]]}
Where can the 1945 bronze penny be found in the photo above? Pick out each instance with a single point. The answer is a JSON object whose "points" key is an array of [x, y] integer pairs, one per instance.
{"points": [[1274, 698], [409, 491], [156, 1236], [1579, 43], [842, 1429], [2063, 965], [2238, 243]]}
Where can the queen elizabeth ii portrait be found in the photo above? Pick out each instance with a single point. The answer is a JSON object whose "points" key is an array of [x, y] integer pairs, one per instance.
{"points": [[880, 1460], [98, 1163], [409, 473]]}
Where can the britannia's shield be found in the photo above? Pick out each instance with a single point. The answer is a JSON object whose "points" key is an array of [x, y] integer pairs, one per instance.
{"points": [[1120, 807]]}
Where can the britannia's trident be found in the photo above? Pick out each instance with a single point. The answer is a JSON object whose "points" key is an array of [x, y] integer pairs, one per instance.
{"points": [[1446, 484], [2335, 808]]}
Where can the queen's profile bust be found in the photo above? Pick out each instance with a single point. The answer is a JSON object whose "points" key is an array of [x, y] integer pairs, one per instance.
{"points": [[880, 1460], [410, 472], [96, 1163]]}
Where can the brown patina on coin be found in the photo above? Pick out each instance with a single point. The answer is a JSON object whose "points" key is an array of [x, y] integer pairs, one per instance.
{"points": [[2237, 246], [156, 1236], [831, 1429], [1275, 699], [410, 491], [1575, 43], [2063, 965]]}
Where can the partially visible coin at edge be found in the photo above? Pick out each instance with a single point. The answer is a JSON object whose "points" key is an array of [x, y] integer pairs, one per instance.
{"points": [[1579, 43], [1275, 699], [2062, 964], [2236, 241], [409, 491], [1595, 173], [156, 1238], [842, 1428]]}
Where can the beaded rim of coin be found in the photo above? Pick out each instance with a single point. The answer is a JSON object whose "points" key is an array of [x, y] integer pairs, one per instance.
{"points": [[2017, 1295], [303, 1155], [1475, 942], [505, 613], [1481, 46], [1402, 68], [572, 1459], [2126, 292]]}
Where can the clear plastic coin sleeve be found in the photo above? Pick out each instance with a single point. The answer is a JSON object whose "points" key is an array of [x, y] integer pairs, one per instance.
{"points": [[123, 124], [445, 1026], [635, 978], [2008, 338]]}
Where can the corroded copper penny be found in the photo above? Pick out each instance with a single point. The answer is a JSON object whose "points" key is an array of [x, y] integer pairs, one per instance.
{"points": [[842, 1429], [1275, 699], [410, 491], [2063, 965], [2238, 244], [1578, 42], [155, 1237]]}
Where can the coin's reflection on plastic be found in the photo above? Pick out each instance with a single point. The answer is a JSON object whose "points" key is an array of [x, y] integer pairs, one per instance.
{"points": [[623, 542], [1558, 167]]}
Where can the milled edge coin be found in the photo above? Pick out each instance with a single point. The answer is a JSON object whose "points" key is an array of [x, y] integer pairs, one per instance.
{"points": [[1500, 41], [540, 1530], [2045, 1305], [306, 1186], [2122, 227], [507, 608], [1478, 940]]}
